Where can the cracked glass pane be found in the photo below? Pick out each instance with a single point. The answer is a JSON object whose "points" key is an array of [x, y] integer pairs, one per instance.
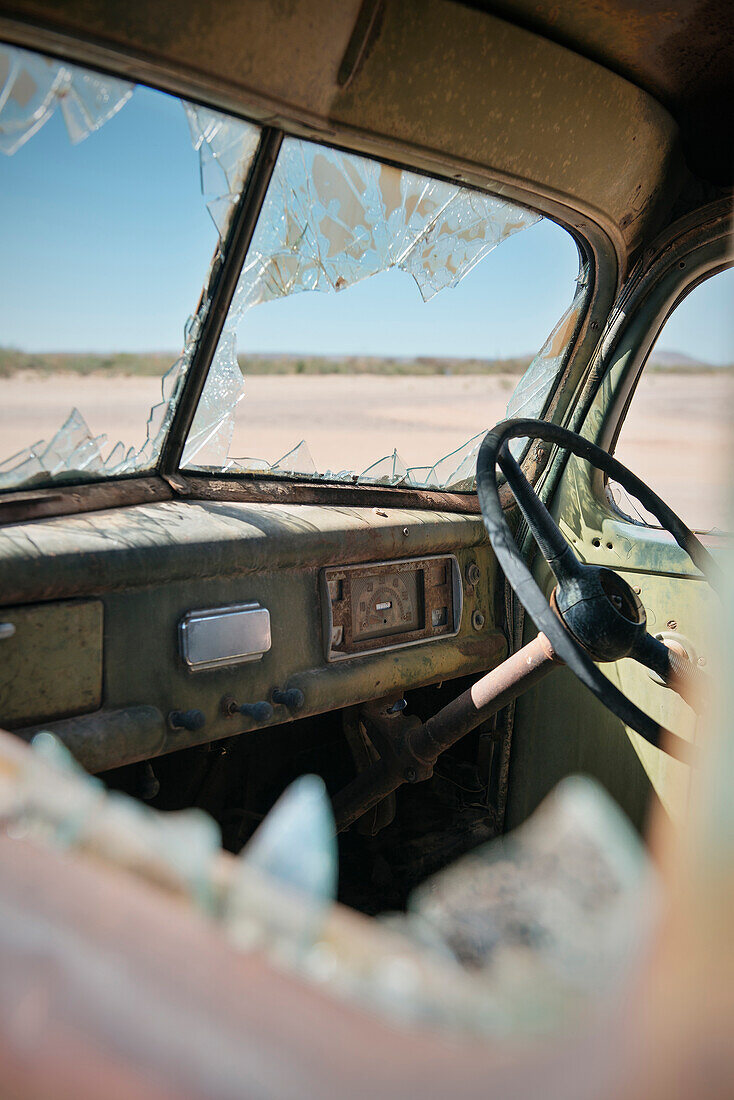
{"points": [[353, 230], [534, 388], [85, 359], [226, 147], [33, 86]]}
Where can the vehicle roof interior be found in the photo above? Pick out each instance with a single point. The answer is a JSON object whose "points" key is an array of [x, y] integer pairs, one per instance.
{"points": [[682, 55]]}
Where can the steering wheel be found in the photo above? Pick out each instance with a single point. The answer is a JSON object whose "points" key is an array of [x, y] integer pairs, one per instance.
{"points": [[596, 615]]}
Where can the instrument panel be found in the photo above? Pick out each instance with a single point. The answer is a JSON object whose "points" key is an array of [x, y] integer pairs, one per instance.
{"points": [[385, 605]]}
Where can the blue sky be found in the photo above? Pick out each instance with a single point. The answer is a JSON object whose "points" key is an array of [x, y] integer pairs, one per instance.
{"points": [[106, 245]]}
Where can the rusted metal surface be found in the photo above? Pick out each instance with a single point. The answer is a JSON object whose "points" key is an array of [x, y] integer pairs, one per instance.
{"points": [[24, 506], [409, 749], [177, 540], [66, 500], [46, 503], [111, 738], [277, 491]]}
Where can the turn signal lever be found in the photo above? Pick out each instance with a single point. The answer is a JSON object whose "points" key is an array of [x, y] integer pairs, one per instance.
{"points": [[409, 748]]}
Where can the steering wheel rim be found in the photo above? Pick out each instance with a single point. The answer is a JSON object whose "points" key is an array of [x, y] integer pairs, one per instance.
{"points": [[494, 452]]}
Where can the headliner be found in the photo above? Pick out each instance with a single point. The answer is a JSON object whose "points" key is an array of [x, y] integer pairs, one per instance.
{"points": [[680, 51]]}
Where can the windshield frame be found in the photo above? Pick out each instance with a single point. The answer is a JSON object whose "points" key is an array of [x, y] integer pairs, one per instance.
{"points": [[235, 250]]}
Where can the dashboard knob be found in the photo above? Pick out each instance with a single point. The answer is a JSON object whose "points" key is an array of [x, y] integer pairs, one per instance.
{"points": [[398, 706], [260, 711], [293, 698], [186, 720]]}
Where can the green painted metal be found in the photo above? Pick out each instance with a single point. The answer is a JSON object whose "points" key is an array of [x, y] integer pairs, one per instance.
{"points": [[153, 563], [52, 664], [560, 727], [190, 540]]}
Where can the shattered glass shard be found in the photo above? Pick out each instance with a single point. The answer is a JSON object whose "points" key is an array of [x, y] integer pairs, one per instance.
{"points": [[471, 225], [295, 850], [33, 86], [226, 147], [296, 842], [115, 458], [211, 432], [74, 449], [331, 219], [297, 461], [22, 467], [455, 471], [73, 438], [532, 391], [87, 455], [247, 466], [390, 470]]}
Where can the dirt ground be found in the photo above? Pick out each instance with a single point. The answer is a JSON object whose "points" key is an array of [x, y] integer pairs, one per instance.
{"points": [[675, 436]]}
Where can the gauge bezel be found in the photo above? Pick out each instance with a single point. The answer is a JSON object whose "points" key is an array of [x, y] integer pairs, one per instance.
{"points": [[348, 648]]}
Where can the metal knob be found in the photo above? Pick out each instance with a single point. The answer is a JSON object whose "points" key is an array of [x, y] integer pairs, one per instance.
{"points": [[293, 698], [473, 573], [148, 783], [186, 720], [260, 711]]}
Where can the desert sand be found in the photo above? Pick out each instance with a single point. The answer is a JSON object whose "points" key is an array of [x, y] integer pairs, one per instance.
{"points": [[675, 437]]}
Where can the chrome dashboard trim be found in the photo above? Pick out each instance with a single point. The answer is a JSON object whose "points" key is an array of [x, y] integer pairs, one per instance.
{"points": [[222, 636]]}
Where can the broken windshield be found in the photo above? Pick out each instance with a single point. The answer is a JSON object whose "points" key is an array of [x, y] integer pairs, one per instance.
{"points": [[390, 370], [396, 315]]}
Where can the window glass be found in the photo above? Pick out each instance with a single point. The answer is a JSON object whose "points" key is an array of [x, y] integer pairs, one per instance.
{"points": [[676, 435], [396, 314], [107, 241]]}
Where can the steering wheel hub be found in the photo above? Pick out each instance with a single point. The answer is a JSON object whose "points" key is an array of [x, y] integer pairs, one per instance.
{"points": [[602, 613]]}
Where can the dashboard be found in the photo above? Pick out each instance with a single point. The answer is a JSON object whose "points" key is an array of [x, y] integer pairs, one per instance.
{"points": [[180, 622]]}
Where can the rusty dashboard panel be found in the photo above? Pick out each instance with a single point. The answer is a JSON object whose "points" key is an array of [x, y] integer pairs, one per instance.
{"points": [[149, 568], [390, 604], [51, 660]]}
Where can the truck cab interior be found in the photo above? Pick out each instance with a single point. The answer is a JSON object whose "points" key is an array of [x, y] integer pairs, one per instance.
{"points": [[224, 597]]}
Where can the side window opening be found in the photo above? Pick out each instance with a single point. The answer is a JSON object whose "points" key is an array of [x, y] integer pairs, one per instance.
{"points": [[676, 434]]}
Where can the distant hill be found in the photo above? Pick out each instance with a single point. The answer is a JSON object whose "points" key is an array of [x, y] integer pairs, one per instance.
{"points": [[155, 364], [677, 361]]}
